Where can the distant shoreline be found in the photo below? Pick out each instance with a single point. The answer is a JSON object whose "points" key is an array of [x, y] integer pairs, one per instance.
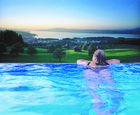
{"points": [[71, 35], [100, 31], [75, 33]]}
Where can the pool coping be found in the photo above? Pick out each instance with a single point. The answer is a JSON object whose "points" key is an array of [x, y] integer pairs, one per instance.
{"points": [[38, 63], [62, 63]]}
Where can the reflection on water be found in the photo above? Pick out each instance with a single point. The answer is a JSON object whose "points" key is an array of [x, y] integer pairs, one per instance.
{"points": [[106, 98]]}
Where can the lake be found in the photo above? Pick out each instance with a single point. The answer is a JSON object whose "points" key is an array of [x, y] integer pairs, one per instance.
{"points": [[60, 35]]}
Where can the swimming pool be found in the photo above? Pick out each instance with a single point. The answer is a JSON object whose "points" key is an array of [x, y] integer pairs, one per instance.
{"points": [[69, 89]]}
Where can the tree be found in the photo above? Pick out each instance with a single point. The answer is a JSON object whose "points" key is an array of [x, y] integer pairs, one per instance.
{"points": [[58, 46], [84, 47], [20, 39], [59, 54], [51, 49], [80, 46], [2, 48], [25, 44], [1, 36], [16, 49], [10, 37], [31, 50], [92, 49]]}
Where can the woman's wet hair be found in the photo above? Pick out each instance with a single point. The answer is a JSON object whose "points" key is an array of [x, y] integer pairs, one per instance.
{"points": [[101, 57]]}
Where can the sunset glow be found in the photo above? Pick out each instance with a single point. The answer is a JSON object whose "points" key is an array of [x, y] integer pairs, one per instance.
{"points": [[76, 14]]}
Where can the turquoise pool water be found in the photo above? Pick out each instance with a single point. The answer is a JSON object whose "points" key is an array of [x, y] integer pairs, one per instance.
{"points": [[69, 89]]}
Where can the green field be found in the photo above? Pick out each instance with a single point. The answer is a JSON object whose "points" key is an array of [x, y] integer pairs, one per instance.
{"points": [[124, 55]]}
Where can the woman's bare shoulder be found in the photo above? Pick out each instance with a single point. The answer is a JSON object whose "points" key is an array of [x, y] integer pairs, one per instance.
{"points": [[113, 61]]}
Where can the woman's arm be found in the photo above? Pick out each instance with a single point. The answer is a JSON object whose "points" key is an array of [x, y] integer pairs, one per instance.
{"points": [[84, 62], [113, 61]]}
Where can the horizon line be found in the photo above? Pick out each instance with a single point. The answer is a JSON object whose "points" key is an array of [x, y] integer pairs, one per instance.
{"points": [[43, 29]]}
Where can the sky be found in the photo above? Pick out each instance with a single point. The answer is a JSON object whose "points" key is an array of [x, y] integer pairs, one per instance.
{"points": [[71, 14]]}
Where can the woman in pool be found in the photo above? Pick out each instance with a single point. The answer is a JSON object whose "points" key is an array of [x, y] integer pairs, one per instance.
{"points": [[100, 80], [99, 58]]}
